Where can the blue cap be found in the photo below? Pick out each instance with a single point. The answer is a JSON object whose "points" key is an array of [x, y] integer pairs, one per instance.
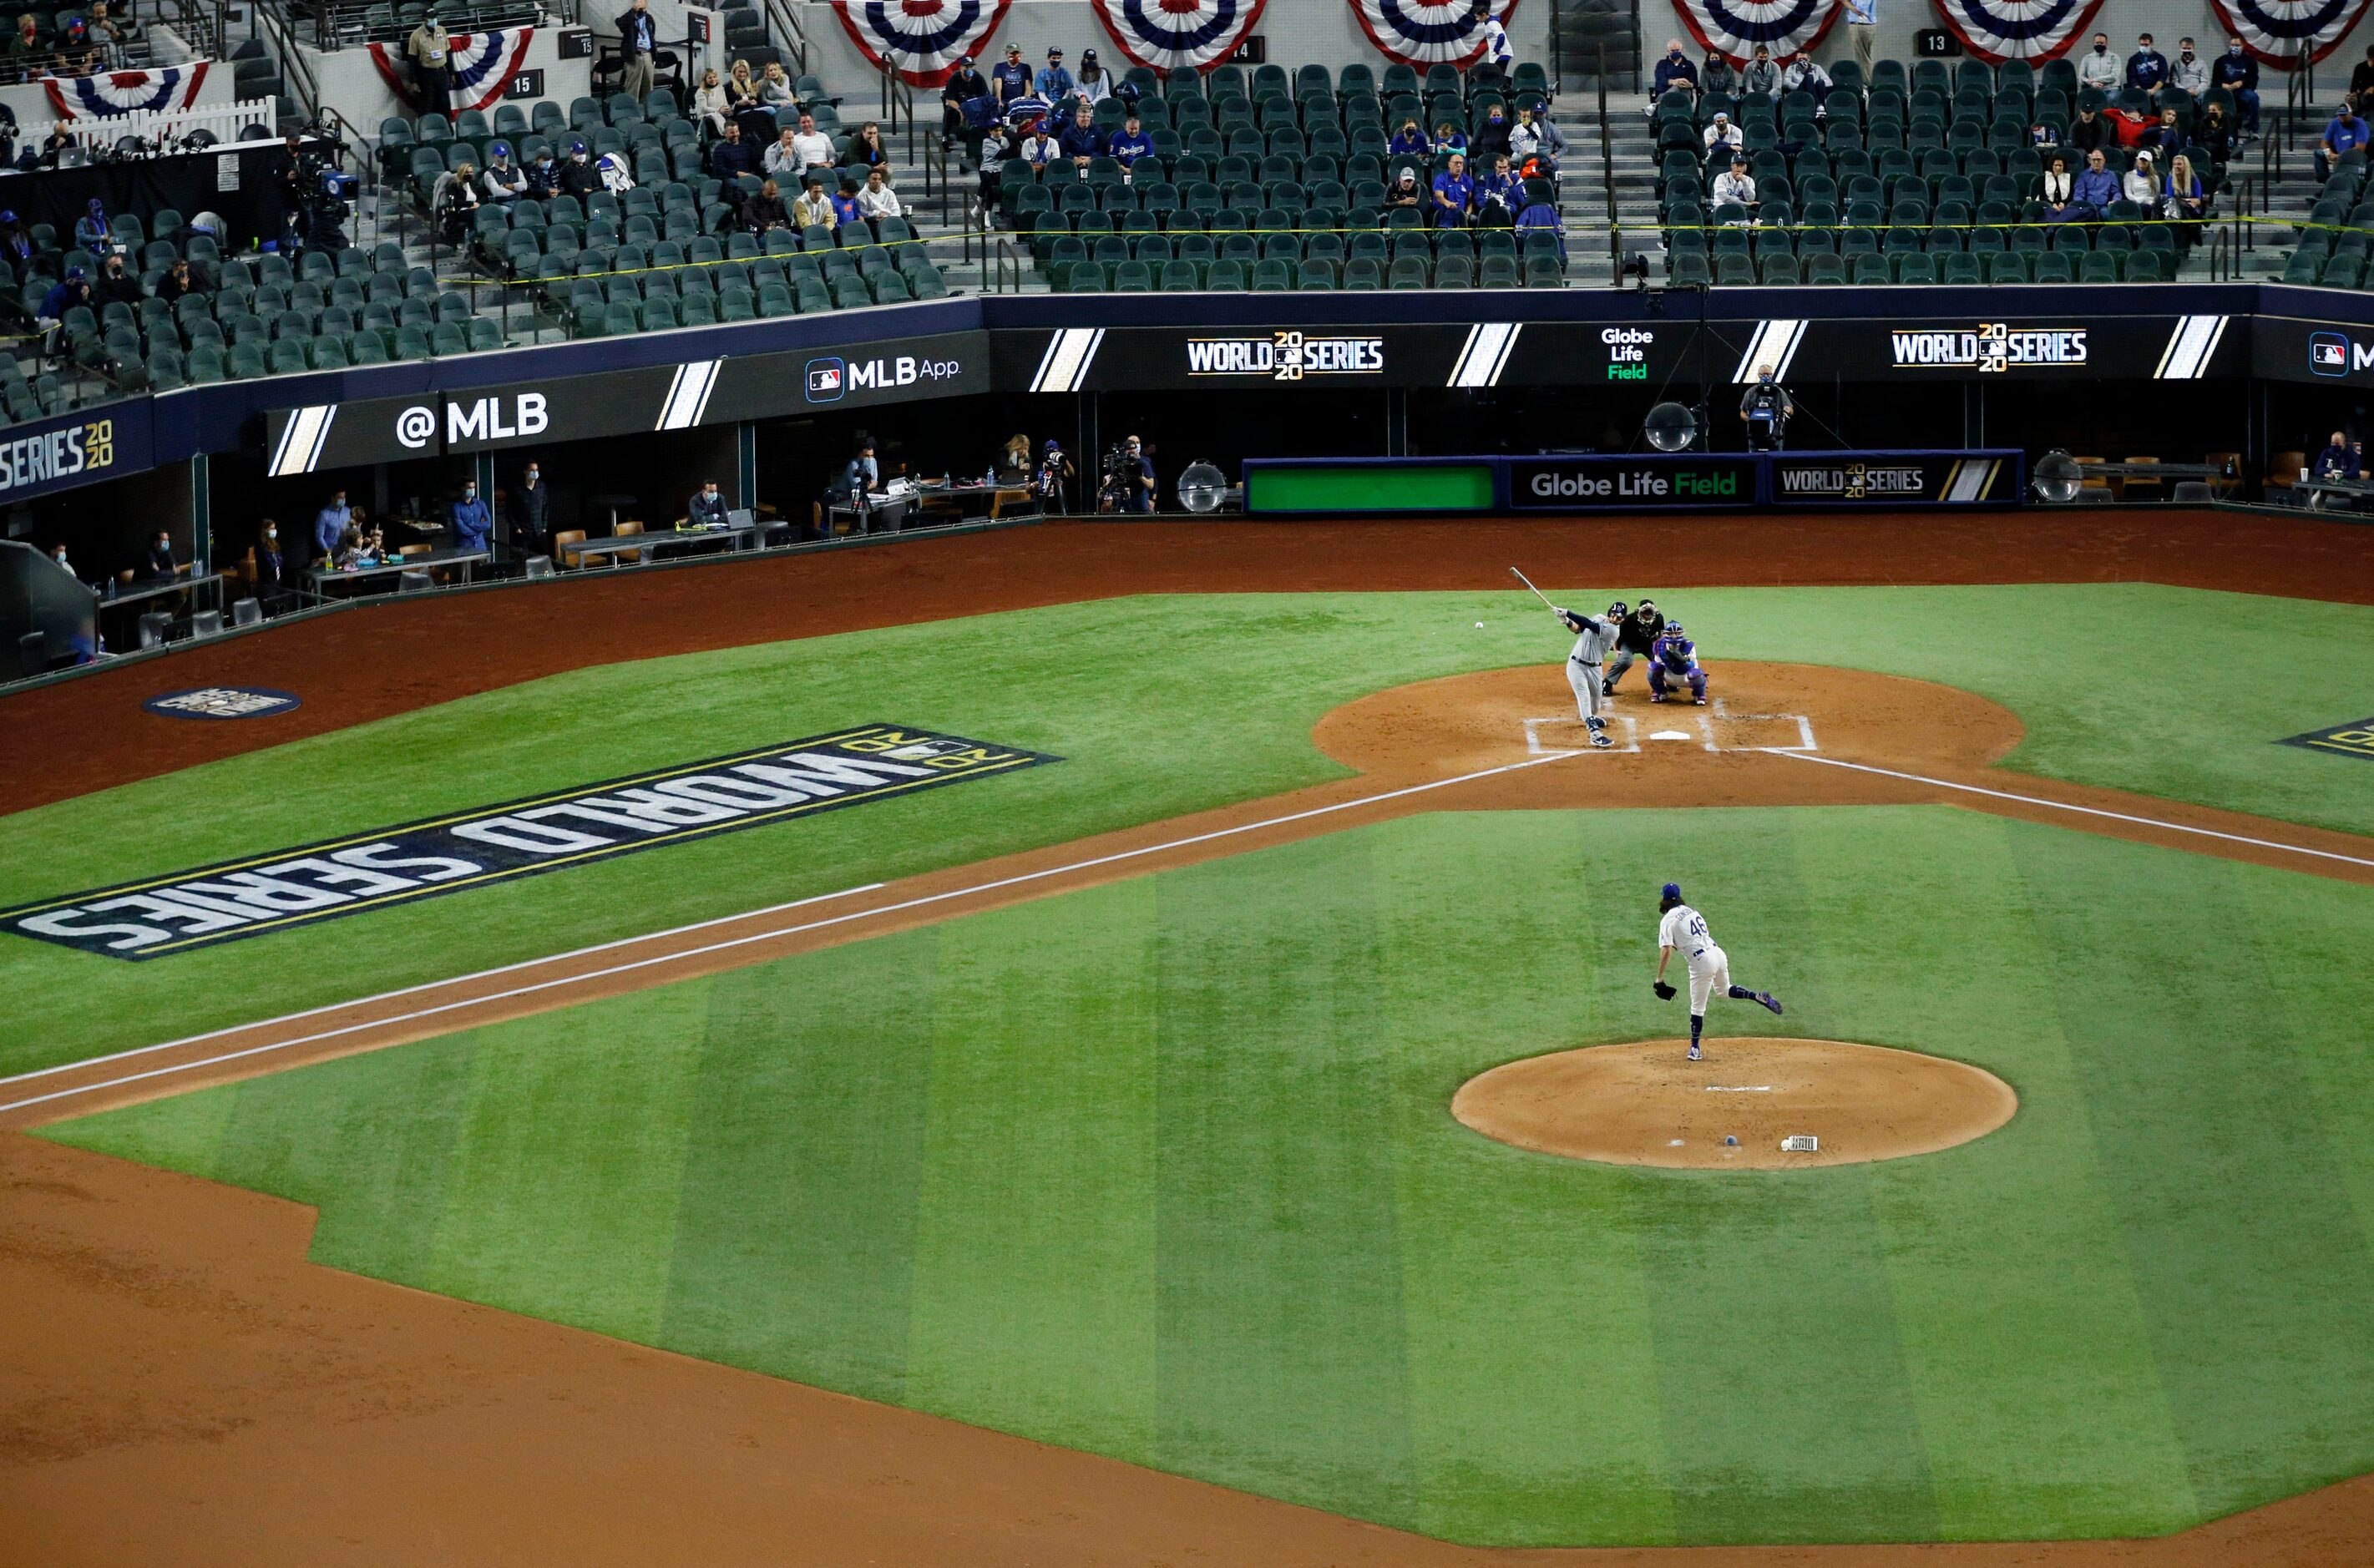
{"points": [[1672, 890]]}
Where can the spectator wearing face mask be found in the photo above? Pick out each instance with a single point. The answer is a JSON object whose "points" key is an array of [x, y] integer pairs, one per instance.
{"points": [[117, 287], [531, 509], [2339, 459], [1716, 74], [1804, 75], [58, 554], [271, 564], [1761, 75], [2239, 74], [2147, 67], [544, 176], [1722, 136], [578, 178], [1535, 136], [1673, 72], [473, 522], [158, 565], [2189, 71], [2141, 183], [330, 526], [2099, 68], [707, 508]]}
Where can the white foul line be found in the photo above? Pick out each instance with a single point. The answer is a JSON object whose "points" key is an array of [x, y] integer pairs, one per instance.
{"points": [[2065, 806], [716, 946]]}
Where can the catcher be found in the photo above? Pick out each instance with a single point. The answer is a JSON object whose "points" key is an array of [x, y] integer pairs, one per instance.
{"points": [[1674, 662], [1685, 928]]}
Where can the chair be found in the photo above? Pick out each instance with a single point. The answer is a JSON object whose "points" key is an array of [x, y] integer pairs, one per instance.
{"points": [[561, 541]]}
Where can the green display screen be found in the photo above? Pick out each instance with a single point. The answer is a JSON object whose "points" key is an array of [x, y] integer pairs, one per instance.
{"points": [[1370, 487]]}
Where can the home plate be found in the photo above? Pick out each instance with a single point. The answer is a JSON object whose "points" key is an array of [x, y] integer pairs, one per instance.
{"points": [[1670, 735]]}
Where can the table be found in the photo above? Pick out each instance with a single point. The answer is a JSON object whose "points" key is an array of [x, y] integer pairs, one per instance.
{"points": [[113, 594], [2321, 492], [319, 578], [956, 497], [748, 536]]}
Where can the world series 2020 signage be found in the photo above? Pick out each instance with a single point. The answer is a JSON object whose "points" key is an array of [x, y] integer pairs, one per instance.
{"points": [[183, 910]]}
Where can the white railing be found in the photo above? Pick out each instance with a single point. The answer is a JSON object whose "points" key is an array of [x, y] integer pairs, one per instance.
{"points": [[225, 119]]}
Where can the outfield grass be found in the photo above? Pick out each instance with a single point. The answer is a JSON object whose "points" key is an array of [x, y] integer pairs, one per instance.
{"points": [[1161, 704], [1165, 1170]]}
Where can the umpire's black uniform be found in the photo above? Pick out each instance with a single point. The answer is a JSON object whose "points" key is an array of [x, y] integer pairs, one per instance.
{"points": [[1635, 638]]}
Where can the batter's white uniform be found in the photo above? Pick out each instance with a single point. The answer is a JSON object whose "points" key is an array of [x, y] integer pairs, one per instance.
{"points": [[1593, 636], [1685, 931]]}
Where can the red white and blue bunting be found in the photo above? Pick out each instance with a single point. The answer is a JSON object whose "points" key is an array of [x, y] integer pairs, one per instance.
{"points": [[111, 93], [1428, 32], [2279, 32], [483, 64], [922, 40], [1178, 35], [1735, 28], [1997, 30]]}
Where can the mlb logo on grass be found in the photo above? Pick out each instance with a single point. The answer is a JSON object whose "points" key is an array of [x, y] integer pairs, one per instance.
{"points": [[2328, 354], [827, 379]]}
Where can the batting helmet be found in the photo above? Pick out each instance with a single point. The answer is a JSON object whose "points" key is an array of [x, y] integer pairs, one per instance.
{"points": [[1619, 609]]}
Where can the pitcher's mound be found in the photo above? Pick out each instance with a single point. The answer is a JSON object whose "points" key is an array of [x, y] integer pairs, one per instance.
{"points": [[1646, 1103]]}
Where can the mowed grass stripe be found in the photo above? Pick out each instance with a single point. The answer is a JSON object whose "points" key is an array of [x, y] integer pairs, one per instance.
{"points": [[1035, 1242], [1917, 915], [1282, 1362], [1519, 1270], [794, 1248], [2263, 1326]]}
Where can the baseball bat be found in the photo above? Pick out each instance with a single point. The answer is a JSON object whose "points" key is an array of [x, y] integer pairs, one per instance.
{"points": [[1537, 592]]}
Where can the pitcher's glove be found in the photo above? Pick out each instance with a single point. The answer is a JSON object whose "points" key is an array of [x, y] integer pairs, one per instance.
{"points": [[1664, 992]]}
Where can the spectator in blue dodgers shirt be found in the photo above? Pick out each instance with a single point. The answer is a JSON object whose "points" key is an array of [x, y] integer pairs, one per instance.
{"points": [[1029, 110], [2344, 132], [1448, 139], [66, 294], [1081, 140], [1499, 194], [1540, 217], [1673, 72], [1734, 186], [1053, 82], [1129, 143], [2239, 74], [2147, 67], [1040, 149], [471, 519], [329, 524], [1010, 76], [1408, 142], [1454, 194]]}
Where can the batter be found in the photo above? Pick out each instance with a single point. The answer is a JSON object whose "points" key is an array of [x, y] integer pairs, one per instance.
{"points": [[1592, 637], [1685, 929]]}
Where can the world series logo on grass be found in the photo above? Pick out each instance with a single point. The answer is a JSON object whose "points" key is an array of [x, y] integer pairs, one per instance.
{"points": [[424, 859]]}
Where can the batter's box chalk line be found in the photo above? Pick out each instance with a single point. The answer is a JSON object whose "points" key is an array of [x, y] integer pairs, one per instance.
{"points": [[1625, 727], [1629, 740]]}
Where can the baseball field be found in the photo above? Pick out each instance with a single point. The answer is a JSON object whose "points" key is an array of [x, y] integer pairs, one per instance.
{"points": [[1073, 1091]]}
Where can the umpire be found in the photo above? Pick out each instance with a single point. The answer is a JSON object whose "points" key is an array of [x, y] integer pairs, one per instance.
{"points": [[1636, 637]]}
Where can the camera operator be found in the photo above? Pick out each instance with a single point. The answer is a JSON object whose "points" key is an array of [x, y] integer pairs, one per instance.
{"points": [[1129, 477], [1054, 471], [1766, 407]]}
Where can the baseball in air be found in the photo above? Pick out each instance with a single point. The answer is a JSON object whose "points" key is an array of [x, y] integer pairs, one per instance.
{"points": [[1480, 625], [1729, 1141]]}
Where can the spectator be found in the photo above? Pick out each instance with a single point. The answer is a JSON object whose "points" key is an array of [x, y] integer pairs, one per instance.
{"points": [[709, 106], [271, 566], [782, 159], [741, 88], [1081, 140], [1673, 71], [2339, 459], [1405, 191], [765, 208], [177, 283], [2344, 132], [1001, 145], [2189, 73], [813, 209], [1803, 76], [1734, 185], [2166, 139], [639, 46], [845, 210], [2183, 199], [1499, 53], [1012, 465], [1862, 30], [775, 89], [707, 508], [1761, 75], [1039, 148], [1448, 139], [1407, 142], [1491, 139], [2099, 68], [158, 565], [730, 156], [2129, 126], [1053, 83], [350, 551], [879, 201], [2361, 79], [65, 295], [866, 149], [117, 287], [2239, 74], [1011, 76], [1096, 83], [1535, 137], [1028, 109], [962, 87], [2213, 133], [58, 554], [1540, 217], [2147, 67], [1129, 143], [530, 505], [431, 54], [92, 231], [1499, 194], [1716, 74], [1720, 134], [24, 44], [1454, 194], [2057, 194], [813, 145], [59, 140], [2089, 134], [503, 184], [330, 526], [16, 245], [2091, 193], [543, 175], [2141, 183], [472, 522], [1137, 477], [105, 31], [578, 178], [457, 202]]}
